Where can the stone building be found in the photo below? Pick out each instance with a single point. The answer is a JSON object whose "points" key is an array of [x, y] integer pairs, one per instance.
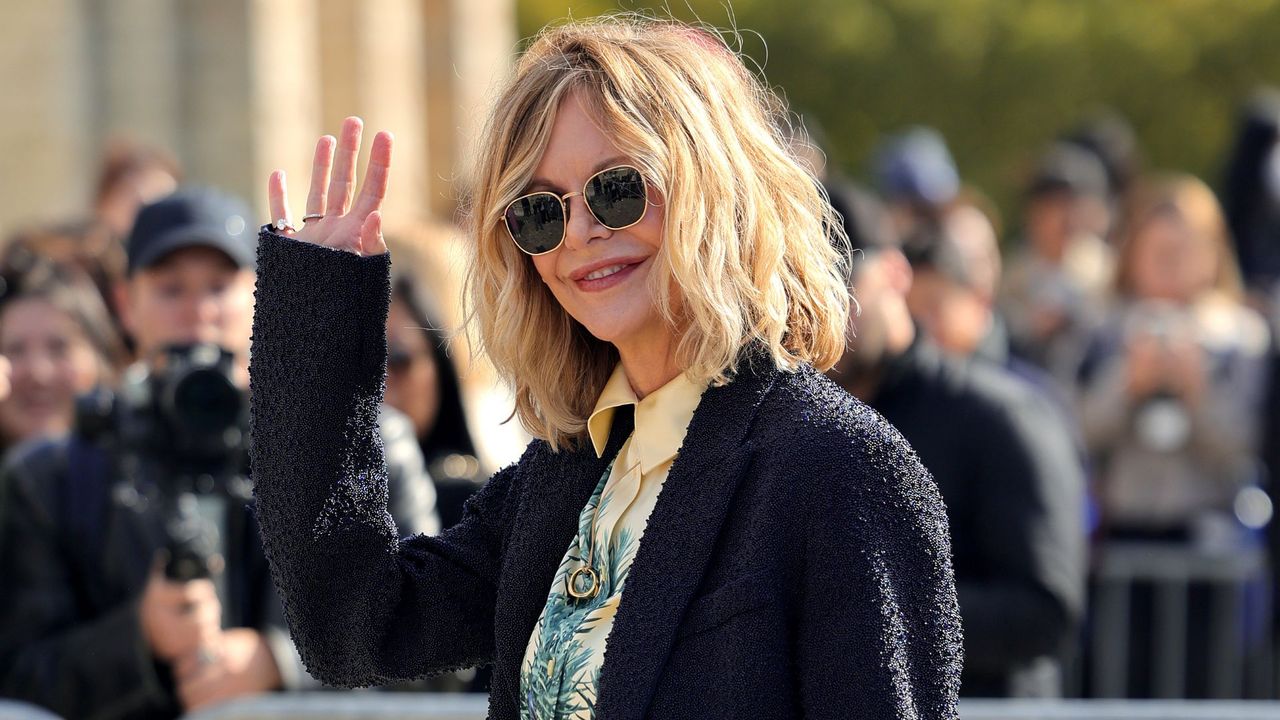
{"points": [[236, 88]]}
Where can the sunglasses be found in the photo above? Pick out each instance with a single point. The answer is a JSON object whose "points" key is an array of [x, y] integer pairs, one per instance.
{"points": [[617, 197]]}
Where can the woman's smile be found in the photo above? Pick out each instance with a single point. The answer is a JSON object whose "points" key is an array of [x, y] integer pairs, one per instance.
{"points": [[605, 274]]}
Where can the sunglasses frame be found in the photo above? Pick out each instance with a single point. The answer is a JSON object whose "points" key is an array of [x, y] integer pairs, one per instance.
{"points": [[564, 209]]}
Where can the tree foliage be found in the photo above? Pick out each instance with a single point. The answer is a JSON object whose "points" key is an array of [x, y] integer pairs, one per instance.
{"points": [[999, 78]]}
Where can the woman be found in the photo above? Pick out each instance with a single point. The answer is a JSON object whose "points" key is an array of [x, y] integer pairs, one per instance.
{"points": [[1173, 382], [422, 384], [648, 257], [59, 342]]}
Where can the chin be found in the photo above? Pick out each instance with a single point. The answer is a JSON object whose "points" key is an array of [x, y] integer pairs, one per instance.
{"points": [[610, 331]]}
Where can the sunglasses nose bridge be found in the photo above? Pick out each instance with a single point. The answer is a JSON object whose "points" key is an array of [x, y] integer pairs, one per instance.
{"points": [[564, 203], [589, 217]]}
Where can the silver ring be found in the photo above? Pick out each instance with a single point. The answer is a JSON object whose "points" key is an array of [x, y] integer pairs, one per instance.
{"points": [[205, 656], [282, 224], [313, 216]]}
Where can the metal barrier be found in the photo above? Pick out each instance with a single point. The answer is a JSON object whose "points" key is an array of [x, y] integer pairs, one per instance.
{"points": [[1118, 710], [10, 710], [374, 706], [352, 706], [1237, 660]]}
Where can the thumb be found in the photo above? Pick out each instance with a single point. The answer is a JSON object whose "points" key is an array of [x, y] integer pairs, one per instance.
{"points": [[371, 240]]}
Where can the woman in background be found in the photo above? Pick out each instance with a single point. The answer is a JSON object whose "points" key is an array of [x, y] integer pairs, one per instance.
{"points": [[59, 341], [1173, 383], [423, 384]]}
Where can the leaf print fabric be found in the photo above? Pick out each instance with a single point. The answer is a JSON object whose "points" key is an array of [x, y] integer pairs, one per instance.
{"points": [[561, 670], [562, 664]]}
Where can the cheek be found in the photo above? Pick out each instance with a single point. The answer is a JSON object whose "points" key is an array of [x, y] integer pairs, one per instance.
{"points": [[153, 311], [416, 385], [650, 229], [81, 369], [545, 266]]}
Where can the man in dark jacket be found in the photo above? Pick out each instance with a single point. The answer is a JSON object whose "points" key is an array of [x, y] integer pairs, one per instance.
{"points": [[1005, 465], [90, 625]]}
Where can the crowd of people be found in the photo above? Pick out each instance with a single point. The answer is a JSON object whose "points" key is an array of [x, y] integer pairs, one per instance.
{"points": [[1108, 378], [1100, 368]]}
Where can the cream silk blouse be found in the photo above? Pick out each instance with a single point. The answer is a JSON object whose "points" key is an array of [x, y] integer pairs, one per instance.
{"points": [[561, 668]]}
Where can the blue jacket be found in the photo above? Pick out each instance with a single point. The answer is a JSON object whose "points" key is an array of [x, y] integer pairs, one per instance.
{"points": [[797, 562]]}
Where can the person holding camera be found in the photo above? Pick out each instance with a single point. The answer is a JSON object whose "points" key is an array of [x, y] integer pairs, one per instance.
{"points": [[1173, 384], [132, 579]]}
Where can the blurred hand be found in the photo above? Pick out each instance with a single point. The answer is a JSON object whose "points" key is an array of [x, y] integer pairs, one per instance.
{"points": [[1186, 364], [1047, 321], [1145, 363], [356, 228], [178, 618], [239, 663]]}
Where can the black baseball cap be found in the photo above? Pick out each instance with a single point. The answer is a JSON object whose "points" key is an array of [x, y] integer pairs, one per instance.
{"points": [[193, 217], [1071, 169]]}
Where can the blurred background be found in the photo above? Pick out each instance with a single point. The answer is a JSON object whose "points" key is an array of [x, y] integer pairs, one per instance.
{"points": [[1084, 193]]}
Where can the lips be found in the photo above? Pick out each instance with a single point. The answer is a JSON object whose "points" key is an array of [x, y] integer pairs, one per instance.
{"points": [[604, 264], [605, 274]]}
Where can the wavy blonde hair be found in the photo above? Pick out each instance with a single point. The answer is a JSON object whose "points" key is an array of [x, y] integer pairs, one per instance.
{"points": [[747, 237], [1188, 199]]}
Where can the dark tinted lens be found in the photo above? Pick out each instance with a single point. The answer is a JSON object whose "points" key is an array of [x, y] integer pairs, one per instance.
{"points": [[398, 359], [617, 197], [536, 222]]}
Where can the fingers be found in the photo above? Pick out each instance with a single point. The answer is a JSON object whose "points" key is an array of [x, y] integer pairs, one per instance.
{"points": [[207, 684], [376, 176], [344, 167], [371, 240], [320, 171], [277, 198], [190, 665]]}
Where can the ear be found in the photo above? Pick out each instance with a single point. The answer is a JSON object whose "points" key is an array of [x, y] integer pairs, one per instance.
{"points": [[122, 299]]}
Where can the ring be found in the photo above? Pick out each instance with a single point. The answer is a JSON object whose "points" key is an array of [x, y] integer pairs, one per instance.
{"points": [[313, 216], [205, 656], [282, 224]]}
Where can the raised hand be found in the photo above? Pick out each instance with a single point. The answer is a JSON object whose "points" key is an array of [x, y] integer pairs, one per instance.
{"points": [[334, 221]]}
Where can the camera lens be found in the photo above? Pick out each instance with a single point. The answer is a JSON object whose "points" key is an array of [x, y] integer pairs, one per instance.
{"points": [[206, 402]]}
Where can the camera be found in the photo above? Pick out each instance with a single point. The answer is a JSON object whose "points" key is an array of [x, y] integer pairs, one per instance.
{"points": [[177, 433], [1162, 420]]}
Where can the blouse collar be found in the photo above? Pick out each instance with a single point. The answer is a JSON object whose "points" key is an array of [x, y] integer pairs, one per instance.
{"points": [[662, 417]]}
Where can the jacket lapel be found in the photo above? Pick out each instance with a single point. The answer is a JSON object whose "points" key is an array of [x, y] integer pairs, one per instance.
{"points": [[559, 486], [677, 543]]}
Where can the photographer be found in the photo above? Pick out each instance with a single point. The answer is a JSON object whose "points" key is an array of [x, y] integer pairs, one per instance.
{"points": [[132, 580], [1172, 385]]}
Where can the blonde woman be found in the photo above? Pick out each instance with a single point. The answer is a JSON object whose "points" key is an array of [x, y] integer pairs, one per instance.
{"points": [[1173, 385], [704, 526]]}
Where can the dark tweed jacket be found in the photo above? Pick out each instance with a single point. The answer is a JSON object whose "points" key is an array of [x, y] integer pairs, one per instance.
{"points": [[797, 562]]}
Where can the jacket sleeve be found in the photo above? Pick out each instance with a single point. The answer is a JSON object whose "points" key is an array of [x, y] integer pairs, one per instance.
{"points": [[50, 654], [880, 632], [364, 606]]}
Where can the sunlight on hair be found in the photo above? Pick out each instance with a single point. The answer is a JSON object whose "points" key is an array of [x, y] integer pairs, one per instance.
{"points": [[749, 254]]}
